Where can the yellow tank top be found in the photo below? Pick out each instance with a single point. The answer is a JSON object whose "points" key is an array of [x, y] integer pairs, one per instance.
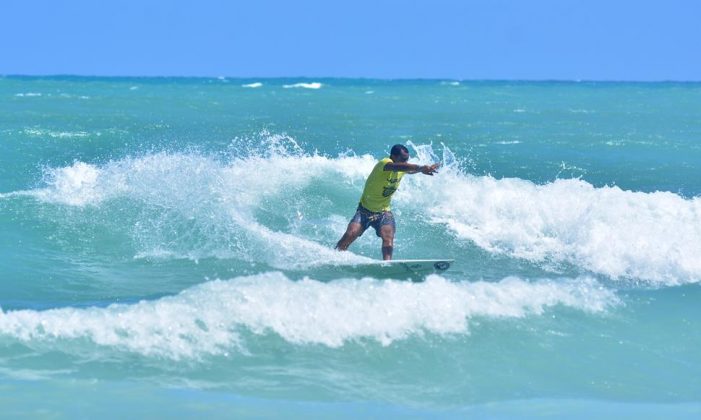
{"points": [[380, 186]]}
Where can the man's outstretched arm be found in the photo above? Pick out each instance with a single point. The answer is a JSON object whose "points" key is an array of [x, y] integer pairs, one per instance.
{"points": [[412, 168]]}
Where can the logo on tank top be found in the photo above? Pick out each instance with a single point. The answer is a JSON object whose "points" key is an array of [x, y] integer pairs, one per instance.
{"points": [[387, 191]]}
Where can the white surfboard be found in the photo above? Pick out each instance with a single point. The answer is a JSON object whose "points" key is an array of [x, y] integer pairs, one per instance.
{"points": [[397, 269]]}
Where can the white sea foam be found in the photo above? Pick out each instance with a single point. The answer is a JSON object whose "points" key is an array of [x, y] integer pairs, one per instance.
{"points": [[209, 319], [252, 85], [75, 185], [28, 94], [313, 85]]}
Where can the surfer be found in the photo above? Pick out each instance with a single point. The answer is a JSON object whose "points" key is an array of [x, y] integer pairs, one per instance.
{"points": [[374, 207]]}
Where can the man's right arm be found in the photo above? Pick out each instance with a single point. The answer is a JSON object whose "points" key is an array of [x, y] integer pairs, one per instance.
{"points": [[411, 168]]}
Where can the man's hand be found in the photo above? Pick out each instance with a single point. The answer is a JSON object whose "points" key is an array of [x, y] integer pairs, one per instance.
{"points": [[430, 169]]}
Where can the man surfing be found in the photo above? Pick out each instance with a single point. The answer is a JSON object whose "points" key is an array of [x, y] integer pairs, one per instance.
{"points": [[374, 207]]}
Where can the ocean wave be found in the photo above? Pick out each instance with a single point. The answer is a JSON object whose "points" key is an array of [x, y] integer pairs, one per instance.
{"points": [[209, 319], [207, 206], [252, 85]]}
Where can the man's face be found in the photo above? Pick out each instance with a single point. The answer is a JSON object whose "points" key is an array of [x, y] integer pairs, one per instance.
{"points": [[401, 157]]}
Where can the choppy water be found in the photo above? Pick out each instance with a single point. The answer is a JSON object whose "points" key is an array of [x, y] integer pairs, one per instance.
{"points": [[163, 240]]}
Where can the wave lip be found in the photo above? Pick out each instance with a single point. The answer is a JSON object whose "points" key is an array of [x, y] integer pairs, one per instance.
{"points": [[209, 319]]}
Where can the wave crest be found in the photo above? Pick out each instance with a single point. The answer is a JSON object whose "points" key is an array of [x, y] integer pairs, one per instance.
{"points": [[209, 319]]}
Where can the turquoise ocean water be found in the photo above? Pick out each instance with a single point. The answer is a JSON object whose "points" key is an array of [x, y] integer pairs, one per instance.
{"points": [[162, 243]]}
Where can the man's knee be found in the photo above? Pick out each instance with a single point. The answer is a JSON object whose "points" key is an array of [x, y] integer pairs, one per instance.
{"points": [[354, 230], [387, 235]]}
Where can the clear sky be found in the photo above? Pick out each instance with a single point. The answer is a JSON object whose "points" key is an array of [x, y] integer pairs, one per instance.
{"points": [[470, 39]]}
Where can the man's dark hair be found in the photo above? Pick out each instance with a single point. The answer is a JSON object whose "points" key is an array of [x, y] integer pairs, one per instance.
{"points": [[397, 149]]}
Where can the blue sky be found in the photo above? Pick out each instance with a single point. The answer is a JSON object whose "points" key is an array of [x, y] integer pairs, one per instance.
{"points": [[471, 39]]}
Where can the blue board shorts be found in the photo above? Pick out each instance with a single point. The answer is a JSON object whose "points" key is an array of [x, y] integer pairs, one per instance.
{"points": [[368, 218]]}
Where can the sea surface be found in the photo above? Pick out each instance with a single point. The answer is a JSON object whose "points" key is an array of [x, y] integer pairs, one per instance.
{"points": [[166, 249]]}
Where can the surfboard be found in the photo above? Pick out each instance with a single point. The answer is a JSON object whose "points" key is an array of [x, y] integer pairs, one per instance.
{"points": [[397, 269]]}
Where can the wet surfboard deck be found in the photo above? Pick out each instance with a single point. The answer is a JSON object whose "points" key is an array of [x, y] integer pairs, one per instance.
{"points": [[415, 270]]}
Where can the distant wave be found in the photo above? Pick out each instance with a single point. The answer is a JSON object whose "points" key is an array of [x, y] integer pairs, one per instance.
{"points": [[61, 95], [68, 95], [252, 85], [208, 319], [313, 85], [38, 132]]}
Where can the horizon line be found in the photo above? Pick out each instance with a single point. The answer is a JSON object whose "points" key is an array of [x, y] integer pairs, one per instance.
{"points": [[451, 79]]}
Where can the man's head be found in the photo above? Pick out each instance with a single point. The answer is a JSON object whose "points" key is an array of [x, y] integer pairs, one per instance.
{"points": [[399, 153]]}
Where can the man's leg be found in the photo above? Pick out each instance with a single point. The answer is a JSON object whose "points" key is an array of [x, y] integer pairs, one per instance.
{"points": [[354, 230], [387, 235]]}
